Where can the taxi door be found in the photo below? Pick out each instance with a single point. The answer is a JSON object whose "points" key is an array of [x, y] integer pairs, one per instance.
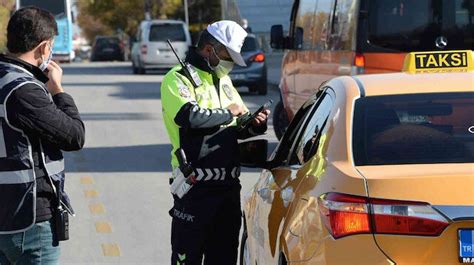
{"points": [[275, 190], [309, 156]]}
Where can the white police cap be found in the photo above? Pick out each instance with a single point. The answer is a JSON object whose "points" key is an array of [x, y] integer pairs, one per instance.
{"points": [[232, 36]]}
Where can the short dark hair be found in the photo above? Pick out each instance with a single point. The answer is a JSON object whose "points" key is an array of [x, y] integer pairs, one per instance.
{"points": [[207, 38], [28, 27]]}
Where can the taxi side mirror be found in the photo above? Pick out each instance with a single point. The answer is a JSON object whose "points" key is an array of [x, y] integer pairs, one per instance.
{"points": [[253, 153]]}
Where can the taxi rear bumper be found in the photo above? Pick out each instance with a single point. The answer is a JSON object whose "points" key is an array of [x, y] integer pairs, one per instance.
{"points": [[357, 249]]}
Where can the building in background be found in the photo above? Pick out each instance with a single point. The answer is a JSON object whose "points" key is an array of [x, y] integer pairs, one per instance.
{"points": [[261, 15]]}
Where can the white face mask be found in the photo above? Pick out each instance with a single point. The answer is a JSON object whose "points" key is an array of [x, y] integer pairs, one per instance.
{"points": [[46, 62], [223, 68]]}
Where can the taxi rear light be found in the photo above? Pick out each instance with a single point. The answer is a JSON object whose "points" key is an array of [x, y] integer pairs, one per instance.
{"points": [[346, 215], [407, 218], [359, 60]]}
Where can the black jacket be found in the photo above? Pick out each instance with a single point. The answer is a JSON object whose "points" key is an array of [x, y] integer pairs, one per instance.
{"points": [[56, 124]]}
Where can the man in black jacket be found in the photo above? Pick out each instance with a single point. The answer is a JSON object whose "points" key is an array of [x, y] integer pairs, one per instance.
{"points": [[38, 121]]}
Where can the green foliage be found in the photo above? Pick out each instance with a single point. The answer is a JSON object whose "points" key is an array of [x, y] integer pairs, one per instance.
{"points": [[202, 13], [105, 17]]}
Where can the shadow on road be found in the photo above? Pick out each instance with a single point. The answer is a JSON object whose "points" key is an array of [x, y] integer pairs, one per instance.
{"points": [[137, 158], [98, 68], [105, 68], [128, 90], [138, 90]]}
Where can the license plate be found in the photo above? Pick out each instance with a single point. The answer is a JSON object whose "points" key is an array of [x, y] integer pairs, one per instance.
{"points": [[238, 77], [466, 245]]}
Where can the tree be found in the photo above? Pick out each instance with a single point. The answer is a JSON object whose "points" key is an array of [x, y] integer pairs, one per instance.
{"points": [[6, 7], [202, 13], [107, 16], [104, 17], [90, 25]]}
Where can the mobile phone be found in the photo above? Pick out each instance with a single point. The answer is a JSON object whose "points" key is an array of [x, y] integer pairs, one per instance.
{"points": [[244, 120]]}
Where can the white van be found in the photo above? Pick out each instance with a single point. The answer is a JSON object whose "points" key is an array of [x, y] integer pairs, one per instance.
{"points": [[151, 50]]}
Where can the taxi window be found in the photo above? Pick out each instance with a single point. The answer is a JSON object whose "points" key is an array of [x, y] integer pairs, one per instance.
{"points": [[343, 25], [407, 25], [321, 24], [304, 22], [309, 142], [414, 129], [280, 156]]}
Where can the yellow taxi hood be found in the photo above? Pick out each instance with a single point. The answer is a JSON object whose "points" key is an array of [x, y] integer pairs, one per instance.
{"points": [[437, 184]]}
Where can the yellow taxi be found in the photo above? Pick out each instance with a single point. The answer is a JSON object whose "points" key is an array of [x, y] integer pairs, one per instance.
{"points": [[373, 169]]}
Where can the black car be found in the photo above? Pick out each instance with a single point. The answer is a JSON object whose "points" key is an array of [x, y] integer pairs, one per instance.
{"points": [[254, 75], [107, 49]]}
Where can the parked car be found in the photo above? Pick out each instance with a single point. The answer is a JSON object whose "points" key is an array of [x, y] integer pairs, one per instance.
{"points": [[373, 169], [254, 75], [107, 48], [151, 50]]}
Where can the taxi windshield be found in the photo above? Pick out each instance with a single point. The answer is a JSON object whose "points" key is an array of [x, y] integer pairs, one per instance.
{"points": [[414, 129]]}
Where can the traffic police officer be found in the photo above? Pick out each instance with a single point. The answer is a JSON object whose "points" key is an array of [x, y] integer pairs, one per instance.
{"points": [[202, 121]]}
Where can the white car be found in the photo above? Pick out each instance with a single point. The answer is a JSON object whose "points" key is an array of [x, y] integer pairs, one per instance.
{"points": [[151, 50]]}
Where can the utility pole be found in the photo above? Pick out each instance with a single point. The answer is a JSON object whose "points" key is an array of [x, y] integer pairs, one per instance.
{"points": [[147, 10], [186, 13], [223, 9]]}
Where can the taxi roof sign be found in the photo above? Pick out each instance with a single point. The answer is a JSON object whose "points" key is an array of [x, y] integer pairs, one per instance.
{"points": [[439, 62]]}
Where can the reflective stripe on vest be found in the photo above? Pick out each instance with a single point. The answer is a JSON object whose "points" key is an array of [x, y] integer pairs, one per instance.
{"points": [[55, 167], [10, 77], [207, 174], [16, 177]]}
